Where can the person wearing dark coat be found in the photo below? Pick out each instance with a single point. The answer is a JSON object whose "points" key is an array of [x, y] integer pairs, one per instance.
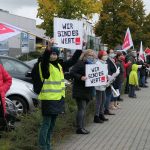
{"points": [[80, 93], [112, 68], [52, 94], [120, 77], [129, 57]]}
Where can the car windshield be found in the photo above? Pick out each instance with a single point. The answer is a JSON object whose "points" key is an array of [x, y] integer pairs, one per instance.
{"points": [[13, 66], [31, 62]]}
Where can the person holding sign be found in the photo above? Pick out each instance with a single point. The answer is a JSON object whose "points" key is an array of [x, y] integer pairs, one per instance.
{"points": [[82, 94], [113, 71], [100, 90]]}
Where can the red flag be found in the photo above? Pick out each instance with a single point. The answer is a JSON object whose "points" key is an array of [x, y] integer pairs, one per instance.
{"points": [[7, 31], [147, 51], [127, 43], [141, 53]]}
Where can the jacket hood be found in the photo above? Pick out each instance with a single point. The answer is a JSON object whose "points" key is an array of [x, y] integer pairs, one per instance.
{"points": [[134, 67]]}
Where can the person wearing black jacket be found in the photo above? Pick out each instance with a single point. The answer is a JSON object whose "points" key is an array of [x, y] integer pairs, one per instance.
{"points": [[80, 93], [112, 68], [52, 107]]}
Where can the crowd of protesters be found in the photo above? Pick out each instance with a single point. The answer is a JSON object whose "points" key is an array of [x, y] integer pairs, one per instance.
{"points": [[129, 74], [124, 69]]}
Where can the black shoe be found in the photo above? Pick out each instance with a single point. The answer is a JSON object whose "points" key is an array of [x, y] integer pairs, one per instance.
{"points": [[102, 117], [86, 131], [126, 92], [97, 119], [145, 86], [132, 96], [82, 131], [120, 99], [107, 112]]}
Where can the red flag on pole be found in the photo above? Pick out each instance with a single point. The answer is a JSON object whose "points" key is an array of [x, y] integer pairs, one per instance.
{"points": [[127, 43], [141, 53], [8, 31]]}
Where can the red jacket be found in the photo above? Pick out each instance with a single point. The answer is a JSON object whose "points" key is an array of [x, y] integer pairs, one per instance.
{"points": [[5, 83]]}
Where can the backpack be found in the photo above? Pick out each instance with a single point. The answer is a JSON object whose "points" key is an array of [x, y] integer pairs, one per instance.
{"points": [[36, 79]]}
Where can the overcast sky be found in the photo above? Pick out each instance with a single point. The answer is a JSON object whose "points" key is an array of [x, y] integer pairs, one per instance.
{"points": [[28, 8]]}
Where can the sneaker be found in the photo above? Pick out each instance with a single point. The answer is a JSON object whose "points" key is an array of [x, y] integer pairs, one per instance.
{"points": [[82, 131], [102, 117], [113, 107], [86, 131]]}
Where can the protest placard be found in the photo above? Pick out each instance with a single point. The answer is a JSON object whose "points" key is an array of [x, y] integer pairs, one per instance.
{"points": [[68, 33], [96, 74]]}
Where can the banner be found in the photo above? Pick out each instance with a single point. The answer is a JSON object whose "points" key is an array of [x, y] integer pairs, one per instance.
{"points": [[96, 74], [127, 43], [8, 31], [141, 53], [68, 33]]}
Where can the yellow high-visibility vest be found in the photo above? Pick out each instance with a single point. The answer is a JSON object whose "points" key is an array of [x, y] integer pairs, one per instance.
{"points": [[53, 87]]}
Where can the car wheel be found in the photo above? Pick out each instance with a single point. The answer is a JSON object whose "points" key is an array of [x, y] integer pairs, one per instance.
{"points": [[20, 104]]}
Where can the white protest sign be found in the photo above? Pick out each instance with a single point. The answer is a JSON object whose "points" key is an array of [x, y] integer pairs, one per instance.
{"points": [[68, 33], [96, 74]]}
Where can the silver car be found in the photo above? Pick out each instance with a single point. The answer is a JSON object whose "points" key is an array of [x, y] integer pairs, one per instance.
{"points": [[22, 95]]}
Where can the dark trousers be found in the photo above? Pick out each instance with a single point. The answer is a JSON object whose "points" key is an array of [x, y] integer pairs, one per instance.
{"points": [[127, 85], [80, 116], [46, 130], [132, 90], [100, 100]]}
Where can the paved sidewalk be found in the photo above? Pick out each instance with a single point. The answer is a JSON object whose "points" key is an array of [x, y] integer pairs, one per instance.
{"points": [[129, 129]]}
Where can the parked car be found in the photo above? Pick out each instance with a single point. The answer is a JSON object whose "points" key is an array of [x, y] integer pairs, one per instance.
{"points": [[16, 68], [31, 62], [22, 95]]}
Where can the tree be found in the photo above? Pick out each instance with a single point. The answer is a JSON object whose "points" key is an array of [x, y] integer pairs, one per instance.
{"points": [[116, 17], [146, 31], [69, 9]]}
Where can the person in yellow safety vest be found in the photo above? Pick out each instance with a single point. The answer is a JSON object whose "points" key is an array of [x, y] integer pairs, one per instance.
{"points": [[52, 94]]}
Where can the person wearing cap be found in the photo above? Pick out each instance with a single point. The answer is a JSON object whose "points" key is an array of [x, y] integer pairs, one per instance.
{"points": [[100, 92], [53, 91], [51, 96]]}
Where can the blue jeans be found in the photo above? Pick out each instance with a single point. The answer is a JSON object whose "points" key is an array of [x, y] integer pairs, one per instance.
{"points": [[143, 80], [132, 91], [46, 132]]}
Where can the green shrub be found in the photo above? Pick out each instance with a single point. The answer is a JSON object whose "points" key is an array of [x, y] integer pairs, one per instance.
{"points": [[25, 136]]}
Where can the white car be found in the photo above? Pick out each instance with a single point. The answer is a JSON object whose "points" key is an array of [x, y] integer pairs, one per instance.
{"points": [[22, 95]]}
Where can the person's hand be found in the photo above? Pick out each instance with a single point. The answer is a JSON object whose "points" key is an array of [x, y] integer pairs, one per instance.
{"points": [[50, 43], [83, 78], [139, 66], [118, 71]]}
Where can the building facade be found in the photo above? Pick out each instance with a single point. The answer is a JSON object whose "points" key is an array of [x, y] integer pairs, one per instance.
{"points": [[22, 43]]}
